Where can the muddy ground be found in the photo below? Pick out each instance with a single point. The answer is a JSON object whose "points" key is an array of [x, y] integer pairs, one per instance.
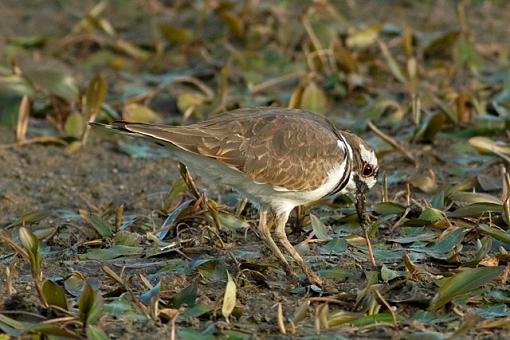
{"points": [[102, 176]]}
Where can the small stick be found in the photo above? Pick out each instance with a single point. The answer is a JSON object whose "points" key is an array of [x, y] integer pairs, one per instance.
{"points": [[408, 194], [385, 188], [360, 210], [280, 319], [201, 198], [392, 312], [392, 142]]}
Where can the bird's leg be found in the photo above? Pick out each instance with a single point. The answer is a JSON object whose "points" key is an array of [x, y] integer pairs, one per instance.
{"points": [[281, 236], [265, 233], [360, 210]]}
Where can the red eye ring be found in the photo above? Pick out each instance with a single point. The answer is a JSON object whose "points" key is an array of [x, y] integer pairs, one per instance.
{"points": [[367, 170]]}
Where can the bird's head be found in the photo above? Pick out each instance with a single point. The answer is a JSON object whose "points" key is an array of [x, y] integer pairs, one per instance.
{"points": [[364, 165]]}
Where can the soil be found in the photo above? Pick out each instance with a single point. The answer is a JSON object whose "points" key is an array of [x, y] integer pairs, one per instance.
{"points": [[44, 177]]}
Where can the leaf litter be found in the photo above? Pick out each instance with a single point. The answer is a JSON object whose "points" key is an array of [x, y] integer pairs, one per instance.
{"points": [[100, 238]]}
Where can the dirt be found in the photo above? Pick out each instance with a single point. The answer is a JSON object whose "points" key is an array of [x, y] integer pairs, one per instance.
{"points": [[39, 177], [45, 177]]}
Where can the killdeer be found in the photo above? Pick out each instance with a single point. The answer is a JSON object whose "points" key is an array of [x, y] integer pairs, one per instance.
{"points": [[278, 158]]}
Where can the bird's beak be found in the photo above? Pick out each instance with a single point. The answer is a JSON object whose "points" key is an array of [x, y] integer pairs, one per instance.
{"points": [[361, 187], [360, 207], [361, 190]]}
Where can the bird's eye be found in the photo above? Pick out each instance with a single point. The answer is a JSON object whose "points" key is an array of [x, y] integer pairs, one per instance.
{"points": [[367, 170]]}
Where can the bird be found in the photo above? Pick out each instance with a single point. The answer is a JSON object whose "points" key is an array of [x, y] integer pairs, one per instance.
{"points": [[278, 158]]}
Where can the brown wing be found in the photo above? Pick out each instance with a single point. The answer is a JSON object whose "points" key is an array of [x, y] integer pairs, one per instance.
{"points": [[292, 149]]}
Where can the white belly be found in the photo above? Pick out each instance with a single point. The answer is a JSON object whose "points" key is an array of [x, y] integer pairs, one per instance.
{"points": [[264, 195]]}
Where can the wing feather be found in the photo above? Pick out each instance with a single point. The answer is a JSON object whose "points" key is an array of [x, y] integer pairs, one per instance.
{"points": [[290, 149]]}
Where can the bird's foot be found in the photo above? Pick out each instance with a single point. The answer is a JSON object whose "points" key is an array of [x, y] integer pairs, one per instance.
{"points": [[314, 279]]}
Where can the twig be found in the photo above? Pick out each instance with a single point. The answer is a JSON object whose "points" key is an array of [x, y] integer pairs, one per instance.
{"points": [[44, 139], [400, 220], [360, 210], [276, 81], [392, 312], [392, 142], [279, 317], [327, 299]]}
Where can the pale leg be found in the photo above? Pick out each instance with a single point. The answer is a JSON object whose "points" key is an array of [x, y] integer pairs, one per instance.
{"points": [[281, 236], [265, 233]]}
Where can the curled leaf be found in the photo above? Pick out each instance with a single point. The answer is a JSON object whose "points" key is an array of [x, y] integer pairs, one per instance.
{"points": [[90, 305], [314, 99], [229, 299], [487, 145], [54, 294]]}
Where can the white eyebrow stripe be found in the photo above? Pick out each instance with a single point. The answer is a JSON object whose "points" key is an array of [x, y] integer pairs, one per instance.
{"points": [[368, 156]]}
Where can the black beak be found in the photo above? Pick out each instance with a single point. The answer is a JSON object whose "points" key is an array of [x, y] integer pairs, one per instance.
{"points": [[361, 190], [360, 207]]}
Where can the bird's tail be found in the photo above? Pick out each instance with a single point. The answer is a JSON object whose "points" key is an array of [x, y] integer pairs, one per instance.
{"points": [[118, 126], [159, 134]]}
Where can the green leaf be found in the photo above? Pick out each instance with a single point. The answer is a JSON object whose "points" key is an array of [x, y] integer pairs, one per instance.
{"points": [[11, 326], [388, 274], [115, 251], [374, 319], [462, 283], [413, 234], [173, 34], [320, 230], [443, 248], [90, 305], [124, 309], [474, 197], [74, 125], [195, 311], [187, 100], [96, 93], [483, 247], [30, 217], [334, 246], [96, 333], [442, 45], [313, 99], [430, 127], [229, 298], [230, 222], [54, 294], [51, 330], [392, 63], [16, 85], [467, 53], [389, 208], [138, 113], [476, 210], [55, 83], [235, 335], [151, 295], [335, 273], [103, 228], [74, 283], [32, 246], [194, 334], [431, 214], [497, 234], [9, 109], [187, 297]]}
